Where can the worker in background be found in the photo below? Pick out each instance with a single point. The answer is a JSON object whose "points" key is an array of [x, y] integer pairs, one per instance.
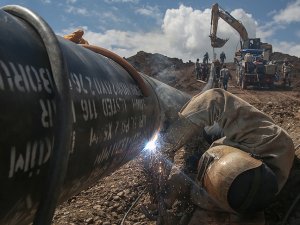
{"points": [[216, 79], [76, 37], [197, 69], [204, 71], [205, 58], [243, 170], [249, 65], [222, 57], [260, 70], [286, 70], [225, 75]]}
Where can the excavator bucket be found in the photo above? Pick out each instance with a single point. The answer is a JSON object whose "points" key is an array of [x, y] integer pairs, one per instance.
{"points": [[217, 42]]}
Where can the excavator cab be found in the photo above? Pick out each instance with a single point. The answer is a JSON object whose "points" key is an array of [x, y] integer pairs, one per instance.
{"points": [[252, 43]]}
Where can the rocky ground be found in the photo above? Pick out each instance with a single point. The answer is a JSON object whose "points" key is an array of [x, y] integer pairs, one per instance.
{"points": [[108, 201]]}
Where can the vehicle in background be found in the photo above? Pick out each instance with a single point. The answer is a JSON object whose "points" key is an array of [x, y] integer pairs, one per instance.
{"points": [[249, 70], [254, 70]]}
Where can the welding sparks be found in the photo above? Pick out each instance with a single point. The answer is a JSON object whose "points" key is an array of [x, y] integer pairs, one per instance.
{"points": [[151, 146]]}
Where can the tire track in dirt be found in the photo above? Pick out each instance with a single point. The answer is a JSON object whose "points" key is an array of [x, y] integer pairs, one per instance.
{"points": [[289, 97], [264, 96]]}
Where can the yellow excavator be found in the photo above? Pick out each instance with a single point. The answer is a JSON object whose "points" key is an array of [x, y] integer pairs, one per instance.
{"points": [[252, 46], [216, 13], [246, 42]]}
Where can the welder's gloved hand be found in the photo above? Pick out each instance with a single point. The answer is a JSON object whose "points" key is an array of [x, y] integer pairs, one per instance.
{"points": [[177, 188], [178, 134]]}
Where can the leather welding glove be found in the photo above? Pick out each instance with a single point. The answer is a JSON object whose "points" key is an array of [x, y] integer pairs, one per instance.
{"points": [[177, 188], [178, 134]]}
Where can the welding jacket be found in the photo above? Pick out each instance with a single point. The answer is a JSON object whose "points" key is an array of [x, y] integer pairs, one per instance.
{"points": [[244, 127]]}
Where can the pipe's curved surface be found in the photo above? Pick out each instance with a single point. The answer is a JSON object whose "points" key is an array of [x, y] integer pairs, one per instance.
{"points": [[62, 123], [127, 66], [110, 118]]}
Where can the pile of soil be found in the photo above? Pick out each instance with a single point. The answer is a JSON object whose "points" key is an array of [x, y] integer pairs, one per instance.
{"points": [[108, 201]]}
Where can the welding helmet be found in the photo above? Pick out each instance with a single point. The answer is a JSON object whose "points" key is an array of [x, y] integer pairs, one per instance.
{"points": [[235, 180]]}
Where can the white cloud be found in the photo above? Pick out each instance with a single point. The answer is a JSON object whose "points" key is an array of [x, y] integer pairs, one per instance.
{"points": [[290, 14], [151, 11], [124, 1], [188, 31], [272, 13], [247, 20], [280, 20], [267, 30], [76, 10], [129, 43], [46, 1], [290, 48], [71, 1], [184, 34]]}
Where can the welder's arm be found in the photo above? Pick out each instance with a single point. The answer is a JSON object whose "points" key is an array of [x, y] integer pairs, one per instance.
{"points": [[178, 134], [234, 116], [215, 105], [202, 110], [244, 126]]}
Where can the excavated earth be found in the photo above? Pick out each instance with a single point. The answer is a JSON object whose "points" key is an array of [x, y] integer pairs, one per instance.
{"points": [[108, 201]]}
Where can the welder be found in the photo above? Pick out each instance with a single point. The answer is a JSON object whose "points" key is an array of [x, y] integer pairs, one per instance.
{"points": [[249, 159]]}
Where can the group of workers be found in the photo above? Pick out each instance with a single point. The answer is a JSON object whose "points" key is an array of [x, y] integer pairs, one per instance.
{"points": [[201, 70], [257, 65], [245, 167], [206, 58], [221, 73]]}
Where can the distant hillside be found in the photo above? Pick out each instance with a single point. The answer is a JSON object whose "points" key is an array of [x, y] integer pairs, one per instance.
{"points": [[172, 71], [154, 64], [279, 57], [176, 73]]}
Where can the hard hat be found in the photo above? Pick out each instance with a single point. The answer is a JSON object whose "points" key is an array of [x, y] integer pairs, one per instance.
{"points": [[235, 180]]}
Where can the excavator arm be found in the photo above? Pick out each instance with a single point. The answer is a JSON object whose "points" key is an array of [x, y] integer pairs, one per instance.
{"points": [[216, 13]]}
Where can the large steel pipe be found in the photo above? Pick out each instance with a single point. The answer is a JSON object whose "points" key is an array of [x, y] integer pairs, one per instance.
{"points": [[110, 118]]}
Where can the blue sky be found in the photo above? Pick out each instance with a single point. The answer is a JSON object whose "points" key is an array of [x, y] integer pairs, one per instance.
{"points": [[173, 28]]}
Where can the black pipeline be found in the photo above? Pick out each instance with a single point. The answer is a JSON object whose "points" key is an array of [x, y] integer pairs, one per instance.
{"points": [[68, 117]]}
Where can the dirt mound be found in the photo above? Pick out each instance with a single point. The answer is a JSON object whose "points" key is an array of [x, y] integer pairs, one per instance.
{"points": [[280, 57], [172, 71]]}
